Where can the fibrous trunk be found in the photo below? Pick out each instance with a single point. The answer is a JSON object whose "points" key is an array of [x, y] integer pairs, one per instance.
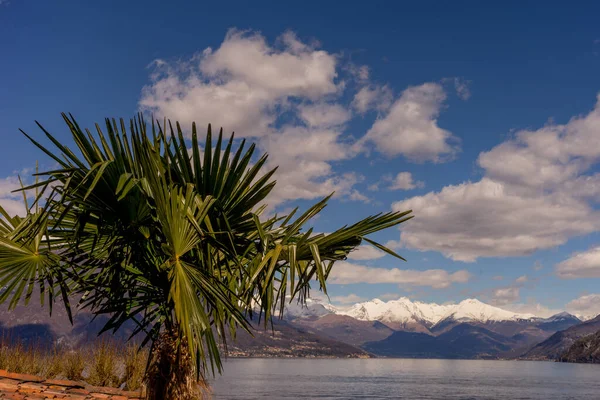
{"points": [[170, 374]]}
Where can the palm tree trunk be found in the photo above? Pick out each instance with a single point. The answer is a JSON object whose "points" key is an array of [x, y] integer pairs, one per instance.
{"points": [[170, 374]]}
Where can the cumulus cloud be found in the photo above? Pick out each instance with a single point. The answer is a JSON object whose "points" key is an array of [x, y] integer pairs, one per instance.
{"points": [[581, 265], [534, 195], [241, 84], [534, 308], [11, 202], [462, 88], [410, 128], [304, 158], [291, 98], [288, 96], [522, 279], [345, 273], [507, 295], [372, 97], [323, 115], [546, 158], [348, 299], [404, 181], [389, 296], [366, 252], [248, 86], [587, 306], [489, 219]]}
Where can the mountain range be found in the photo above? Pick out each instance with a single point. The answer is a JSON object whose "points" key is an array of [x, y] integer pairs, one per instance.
{"points": [[396, 328], [562, 341], [403, 328]]}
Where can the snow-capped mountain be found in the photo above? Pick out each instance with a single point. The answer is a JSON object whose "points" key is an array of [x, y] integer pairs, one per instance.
{"points": [[475, 310], [312, 308], [401, 311], [404, 310]]}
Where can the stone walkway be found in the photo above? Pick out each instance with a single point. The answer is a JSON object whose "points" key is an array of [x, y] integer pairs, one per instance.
{"points": [[29, 387]]}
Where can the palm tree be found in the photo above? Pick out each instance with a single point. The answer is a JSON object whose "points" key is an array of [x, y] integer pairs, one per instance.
{"points": [[142, 226]]}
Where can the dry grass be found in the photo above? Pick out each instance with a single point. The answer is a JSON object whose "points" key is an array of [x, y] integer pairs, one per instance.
{"points": [[73, 366], [105, 363], [135, 366], [104, 357]]}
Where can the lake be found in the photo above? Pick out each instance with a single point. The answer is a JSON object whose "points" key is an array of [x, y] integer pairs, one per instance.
{"points": [[405, 379]]}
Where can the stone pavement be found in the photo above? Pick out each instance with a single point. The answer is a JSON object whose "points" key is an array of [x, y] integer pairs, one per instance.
{"points": [[29, 387]]}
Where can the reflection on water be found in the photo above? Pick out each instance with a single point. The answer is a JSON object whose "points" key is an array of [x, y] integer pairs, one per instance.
{"points": [[405, 379]]}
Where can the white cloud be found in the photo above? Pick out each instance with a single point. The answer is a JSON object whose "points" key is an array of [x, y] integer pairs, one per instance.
{"points": [[290, 97], [360, 73], [544, 159], [462, 88], [498, 278], [522, 279], [537, 266], [324, 115], [389, 296], [345, 273], [247, 85], [586, 306], [366, 252], [241, 84], [581, 265], [502, 296], [355, 195], [372, 97], [297, 70], [404, 181], [490, 219], [11, 202], [374, 187], [349, 299], [536, 309], [533, 196], [410, 127], [304, 159]]}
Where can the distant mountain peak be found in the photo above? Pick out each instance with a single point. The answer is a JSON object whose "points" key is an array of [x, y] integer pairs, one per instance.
{"points": [[563, 314], [471, 301], [404, 311]]}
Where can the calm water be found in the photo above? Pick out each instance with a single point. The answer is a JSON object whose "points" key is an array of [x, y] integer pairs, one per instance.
{"points": [[405, 379]]}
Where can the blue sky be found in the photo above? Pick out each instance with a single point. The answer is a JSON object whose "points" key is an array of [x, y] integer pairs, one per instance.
{"points": [[482, 118]]}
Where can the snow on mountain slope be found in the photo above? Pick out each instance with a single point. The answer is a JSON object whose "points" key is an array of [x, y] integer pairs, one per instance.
{"points": [[475, 310], [312, 308], [400, 311], [404, 310]]}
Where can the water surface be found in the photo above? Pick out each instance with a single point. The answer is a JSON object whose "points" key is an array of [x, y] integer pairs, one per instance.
{"points": [[405, 379]]}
